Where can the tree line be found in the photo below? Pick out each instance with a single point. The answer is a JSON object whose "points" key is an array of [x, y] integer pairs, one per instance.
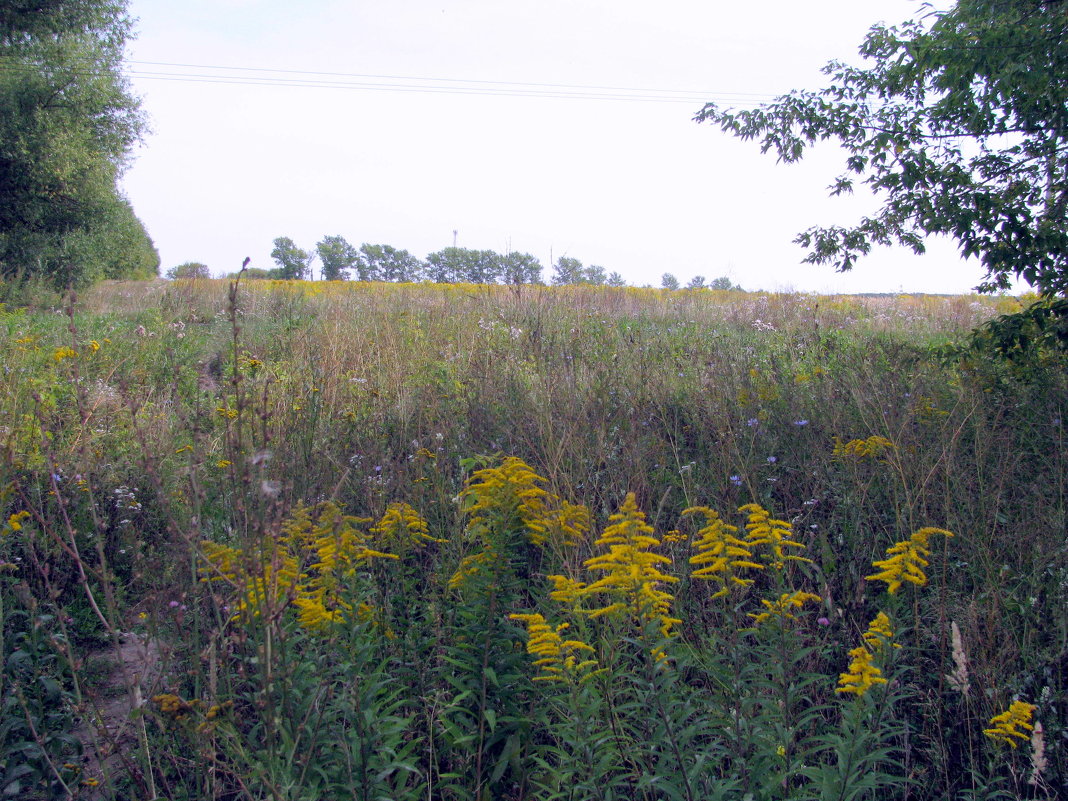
{"points": [[339, 260]]}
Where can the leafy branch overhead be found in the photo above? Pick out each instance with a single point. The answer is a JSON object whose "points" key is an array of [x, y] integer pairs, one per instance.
{"points": [[959, 123]]}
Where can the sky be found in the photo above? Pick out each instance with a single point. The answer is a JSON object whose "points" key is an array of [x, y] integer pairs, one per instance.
{"points": [[555, 128]]}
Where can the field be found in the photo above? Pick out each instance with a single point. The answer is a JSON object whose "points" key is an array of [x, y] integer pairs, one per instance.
{"points": [[291, 540]]}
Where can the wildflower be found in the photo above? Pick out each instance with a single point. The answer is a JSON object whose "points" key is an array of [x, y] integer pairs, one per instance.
{"points": [[1007, 725], [870, 448], [566, 590], [763, 529], [958, 679], [222, 464], [879, 633], [507, 498], [720, 554], [800, 423], [401, 525], [823, 621], [632, 580], [472, 566], [94, 346], [226, 412], [14, 522], [736, 480], [781, 608], [861, 676], [905, 561], [1038, 754], [773, 459], [64, 353], [558, 659]]}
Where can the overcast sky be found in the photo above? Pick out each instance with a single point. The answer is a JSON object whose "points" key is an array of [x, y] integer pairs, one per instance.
{"points": [[401, 121]]}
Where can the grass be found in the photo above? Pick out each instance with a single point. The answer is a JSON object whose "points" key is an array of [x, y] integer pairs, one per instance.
{"points": [[145, 420]]}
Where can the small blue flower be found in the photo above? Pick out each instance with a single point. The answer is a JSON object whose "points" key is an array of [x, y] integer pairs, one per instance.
{"points": [[800, 422], [752, 421], [736, 481], [773, 459]]}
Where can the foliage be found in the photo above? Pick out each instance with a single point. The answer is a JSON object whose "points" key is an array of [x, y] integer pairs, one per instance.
{"points": [[293, 262], [190, 269], [67, 125], [337, 256], [960, 125]]}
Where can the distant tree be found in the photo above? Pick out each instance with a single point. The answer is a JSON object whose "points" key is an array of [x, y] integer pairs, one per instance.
{"points": [[255, 274], [668, 281], [337, 257], [191, 269], [595, 274], [697, 282], [462, 265], [615, 279], [567, 271], [724, 283], [293, 263], [68, 123], [386, 263], [520, 268]]}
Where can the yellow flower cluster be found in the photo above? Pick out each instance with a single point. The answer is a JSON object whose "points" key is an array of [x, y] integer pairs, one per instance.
{"points": [[566, 590], [558, 659], [505, 498], [720, 554], [905, 561], [763, 529], [472, 566], [870, 448], [632, 579], [780, 609], [862, 675], [330, 544], [14, 522], [880, 633], [64, 353], [402, 527], [1007, 725]]}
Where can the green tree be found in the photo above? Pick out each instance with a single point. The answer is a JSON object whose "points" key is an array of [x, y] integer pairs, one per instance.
{"points": [[520, 268], [337, 257], [294, 263], [191, 269], [697, 282], [959, 124], [615, 279], [669, 281], [463, 265], [724, 283], [386, 263], [67, 126]]}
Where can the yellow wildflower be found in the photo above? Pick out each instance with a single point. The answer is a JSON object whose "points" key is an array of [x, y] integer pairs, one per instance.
{"points": [[781, 608], [1007, 725], [222, 464], [557, 658], [226, 412], [720, 554], [94, 346], [14, 522], [879, 633], [64, 353], [566, 590], [870, 448], [862, 674], [763, 529], [632, 579], [472, 566], [507, 498], [905, 561], [402, 526]]}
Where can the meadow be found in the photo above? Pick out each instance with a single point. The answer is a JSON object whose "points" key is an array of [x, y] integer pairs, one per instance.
{"points": [[386, 541]]}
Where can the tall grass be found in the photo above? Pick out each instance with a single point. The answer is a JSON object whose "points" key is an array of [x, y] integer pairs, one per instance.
{"points": [[179, 458]]}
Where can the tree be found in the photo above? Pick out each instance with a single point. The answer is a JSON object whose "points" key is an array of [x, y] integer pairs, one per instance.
{"points": [[293, 262], [669, 281], [697, 282], [615, 279], [463, 265], [191, 269], [67, 125], [959, 124], [520, 268], [386, 263], [724, 283], [337, 257]]}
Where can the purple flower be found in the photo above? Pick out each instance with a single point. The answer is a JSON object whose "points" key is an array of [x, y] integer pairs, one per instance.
{"points": [[773, 459], [823, 621], [174, 604], [752, 421], [736, 481], [800, 422]]}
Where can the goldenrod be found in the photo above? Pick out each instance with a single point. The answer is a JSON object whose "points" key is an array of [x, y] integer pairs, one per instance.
{"points": [[402, 526], [781, 608], [632, 579], [558, 659], [870, 448], [763, 529], [507, 497], [861, 676], [905, 561], [879, 633], [1007, 725], [720, 554]]}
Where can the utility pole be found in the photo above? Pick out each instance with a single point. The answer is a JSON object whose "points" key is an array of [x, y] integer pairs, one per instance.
{"points": [[454, 233]]}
